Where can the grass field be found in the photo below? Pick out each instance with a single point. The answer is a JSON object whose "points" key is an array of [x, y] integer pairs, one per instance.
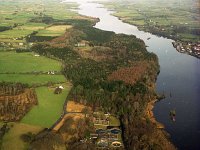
{"points": [[49, 108], [15, 33], [114, 121], [21, 31], [26, 62], [13, 64], [54, 30], [12, 140]]}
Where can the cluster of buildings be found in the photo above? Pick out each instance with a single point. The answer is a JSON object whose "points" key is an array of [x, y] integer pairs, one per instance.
{"points": [[15, 44], [80, 44], [190, 48], [51, 72], [107, 138], [107, 133]]}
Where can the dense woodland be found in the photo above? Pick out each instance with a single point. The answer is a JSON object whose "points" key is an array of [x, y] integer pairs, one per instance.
{"points": [[15, 101], [106, 85]]}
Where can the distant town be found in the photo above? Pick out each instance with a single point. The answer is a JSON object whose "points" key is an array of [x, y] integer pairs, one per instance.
{"points": [[188, 47]]}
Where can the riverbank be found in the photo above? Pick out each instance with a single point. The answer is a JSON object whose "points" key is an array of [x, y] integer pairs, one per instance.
{"points": [[160, 127], [150, 114]]}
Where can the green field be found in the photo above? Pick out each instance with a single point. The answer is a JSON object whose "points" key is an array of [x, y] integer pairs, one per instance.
{"points": [[18, 34], [53, 30], [27, 68], [26, 62], [12, 140], [49, 108]]}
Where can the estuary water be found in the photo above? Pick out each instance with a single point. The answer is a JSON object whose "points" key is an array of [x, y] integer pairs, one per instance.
{"points": [[179, 78]]}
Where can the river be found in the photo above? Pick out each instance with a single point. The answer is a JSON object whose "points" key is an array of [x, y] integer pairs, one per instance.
{"points": [[179, 78]]}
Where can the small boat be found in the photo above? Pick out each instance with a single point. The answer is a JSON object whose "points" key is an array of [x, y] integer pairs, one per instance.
{"points": [[173, 118], [170, 94], [172, 115], [148, 38]]}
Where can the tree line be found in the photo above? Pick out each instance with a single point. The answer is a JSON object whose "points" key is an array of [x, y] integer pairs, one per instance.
{"points": [[11, 89]]}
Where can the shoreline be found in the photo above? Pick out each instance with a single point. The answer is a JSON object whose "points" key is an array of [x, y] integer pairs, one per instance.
{"points": [[159, 126], [150, 115]]}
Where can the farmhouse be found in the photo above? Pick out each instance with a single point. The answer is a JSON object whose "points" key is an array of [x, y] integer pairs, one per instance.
{"points": [[58, 90], [21, 44], [81, 44], [51, 72], [107, 137], [31, 44], [61, 87]]}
